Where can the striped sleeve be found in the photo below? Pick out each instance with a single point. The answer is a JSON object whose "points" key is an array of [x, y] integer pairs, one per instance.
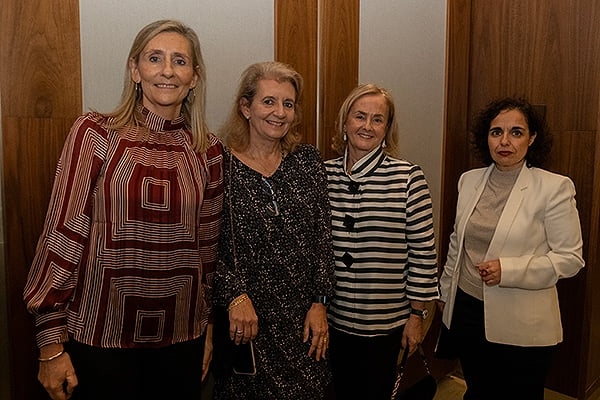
{"points": [[53, 274]]}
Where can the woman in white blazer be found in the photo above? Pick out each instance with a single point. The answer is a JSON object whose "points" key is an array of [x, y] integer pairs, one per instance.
{"points": [[516, 233]]}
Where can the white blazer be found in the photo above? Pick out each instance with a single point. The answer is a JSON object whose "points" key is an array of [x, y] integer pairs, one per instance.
{"points": [[537, 240]]}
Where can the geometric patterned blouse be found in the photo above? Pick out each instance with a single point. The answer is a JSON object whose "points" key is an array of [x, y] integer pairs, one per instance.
{"points": [[127, 253]]}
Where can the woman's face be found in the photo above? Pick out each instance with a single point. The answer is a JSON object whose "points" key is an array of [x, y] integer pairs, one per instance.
{"points": [[166, 73], [508, 139], [366, 124], [272, 110]]}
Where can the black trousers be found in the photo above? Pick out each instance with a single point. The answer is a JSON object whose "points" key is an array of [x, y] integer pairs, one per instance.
{"points": [[491, 370], [172, 372], [364, 368]]}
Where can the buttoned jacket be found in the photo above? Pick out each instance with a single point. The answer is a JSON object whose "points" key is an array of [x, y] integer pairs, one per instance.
{"points": [[537, 240]]}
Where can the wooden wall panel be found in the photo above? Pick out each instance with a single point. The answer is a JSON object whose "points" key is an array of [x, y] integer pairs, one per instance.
{"points": [[338, 63], [456, 142], [41, 96], [549, 52], [296, 44]]}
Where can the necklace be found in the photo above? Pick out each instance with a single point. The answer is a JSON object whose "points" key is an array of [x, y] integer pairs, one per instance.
{"points": [[264, 165]]}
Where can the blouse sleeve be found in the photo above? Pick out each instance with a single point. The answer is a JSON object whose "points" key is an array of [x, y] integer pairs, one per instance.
{"points": [[422, 282], [210, 218], [53, 274]]}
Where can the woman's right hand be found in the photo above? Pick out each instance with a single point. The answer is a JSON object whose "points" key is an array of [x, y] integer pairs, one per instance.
{"points": [[58, 375], [243, 322]]}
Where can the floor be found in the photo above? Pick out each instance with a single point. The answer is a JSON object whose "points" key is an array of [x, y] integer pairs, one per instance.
{"points": [[452, 388]]}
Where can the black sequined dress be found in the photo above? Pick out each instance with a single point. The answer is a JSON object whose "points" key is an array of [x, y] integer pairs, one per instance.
{"points": [[283, 262]]}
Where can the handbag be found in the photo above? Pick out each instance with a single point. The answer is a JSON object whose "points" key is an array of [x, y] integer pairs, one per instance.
{"points": [[424, 389], [229, 358]]}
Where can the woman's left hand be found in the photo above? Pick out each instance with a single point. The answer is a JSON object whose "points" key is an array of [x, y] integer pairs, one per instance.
{"points": [[413, 333], [490, 272], [315, 324]]}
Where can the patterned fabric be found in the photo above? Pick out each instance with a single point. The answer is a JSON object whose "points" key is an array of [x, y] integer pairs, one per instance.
{"points": [[129, 244], [283, 261], [383, 243]]}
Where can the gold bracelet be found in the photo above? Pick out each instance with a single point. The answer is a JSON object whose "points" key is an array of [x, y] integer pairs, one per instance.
{"points": [[60, 353], [237, 301]]}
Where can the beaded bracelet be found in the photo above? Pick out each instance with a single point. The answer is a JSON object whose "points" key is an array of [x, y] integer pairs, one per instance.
{"points": [[60, 353], [237, 301]]}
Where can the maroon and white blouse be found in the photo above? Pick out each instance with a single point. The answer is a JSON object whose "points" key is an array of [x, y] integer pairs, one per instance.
{"points": [[127, 253]]}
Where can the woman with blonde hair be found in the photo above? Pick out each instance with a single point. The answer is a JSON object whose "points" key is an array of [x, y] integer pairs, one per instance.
{"points": [[385, 259], [120, 283], [275, 269]]}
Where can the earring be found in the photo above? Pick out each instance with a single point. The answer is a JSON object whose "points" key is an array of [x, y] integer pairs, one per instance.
{"points": [[345, 137], [384, 145]]}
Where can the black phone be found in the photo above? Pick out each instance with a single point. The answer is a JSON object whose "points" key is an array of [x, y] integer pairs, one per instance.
{"points": [[244, 362]]}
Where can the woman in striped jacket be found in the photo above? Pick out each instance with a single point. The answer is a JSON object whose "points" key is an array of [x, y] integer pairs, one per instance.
{"points": [[385, 259]]}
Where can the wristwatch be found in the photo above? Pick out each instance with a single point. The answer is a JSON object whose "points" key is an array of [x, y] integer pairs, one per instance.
{"points": [[321, 300], [421, 313]]}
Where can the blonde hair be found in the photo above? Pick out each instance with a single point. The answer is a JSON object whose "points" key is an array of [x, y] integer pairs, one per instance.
{"points": [[391, 133], [193, 107], [236, 129]]}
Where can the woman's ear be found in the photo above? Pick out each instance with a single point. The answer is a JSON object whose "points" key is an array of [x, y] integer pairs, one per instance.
{"points": [[133, 71], [532, 138], [245, 107]]}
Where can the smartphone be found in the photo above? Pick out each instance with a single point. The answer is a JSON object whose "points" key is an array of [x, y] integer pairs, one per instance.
{"points": [[243, 359]]}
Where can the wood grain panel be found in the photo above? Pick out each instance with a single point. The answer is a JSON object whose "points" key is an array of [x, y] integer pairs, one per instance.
{"points": [[338, 61], [592, 313], [456, 141], [41, 96], [28, 177], [40, 55], [296, 44]]}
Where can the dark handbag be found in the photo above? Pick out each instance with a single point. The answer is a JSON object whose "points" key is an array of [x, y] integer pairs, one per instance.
{"points": [[424, 389], [229, 358]]}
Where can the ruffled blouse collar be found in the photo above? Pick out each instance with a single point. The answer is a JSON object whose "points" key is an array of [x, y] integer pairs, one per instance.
{"points": [[156, 123]]}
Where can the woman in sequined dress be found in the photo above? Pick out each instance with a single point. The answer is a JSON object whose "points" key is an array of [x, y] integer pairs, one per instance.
{"points": [[277, 226]]}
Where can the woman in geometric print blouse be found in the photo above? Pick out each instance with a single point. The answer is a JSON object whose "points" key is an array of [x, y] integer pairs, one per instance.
{"points": [[385, 259], [119, 287]]}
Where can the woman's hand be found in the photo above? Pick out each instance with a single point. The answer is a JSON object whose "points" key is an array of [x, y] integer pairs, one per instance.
{"points": [[57, 376], [413, 333], [490, 272], [243, 321], [315, 325], [208, 350]]}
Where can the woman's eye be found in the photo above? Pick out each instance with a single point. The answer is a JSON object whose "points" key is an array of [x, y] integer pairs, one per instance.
{"points": [[495, 133], [378, 120], [180, 61], [517, 133], [268, 102], [154, 59], [288, 104]]}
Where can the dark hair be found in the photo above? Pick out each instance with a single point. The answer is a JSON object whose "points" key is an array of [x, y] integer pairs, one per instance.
{"points": [[539, 149]]}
